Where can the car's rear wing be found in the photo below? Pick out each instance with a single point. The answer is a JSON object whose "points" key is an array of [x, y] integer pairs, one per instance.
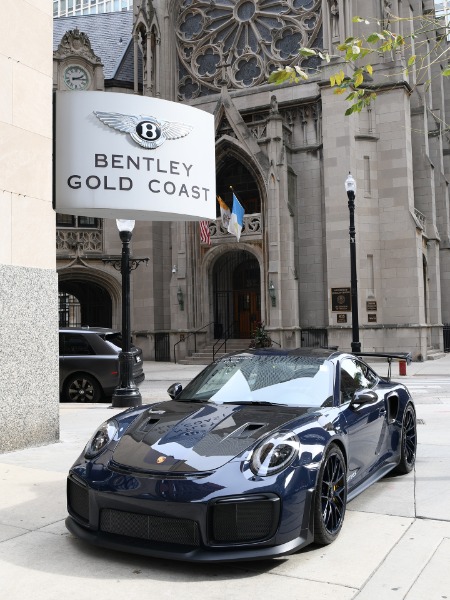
{"points": [[390, 356]]}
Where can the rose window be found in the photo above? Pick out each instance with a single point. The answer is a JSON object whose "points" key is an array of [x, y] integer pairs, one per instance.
{"points": [[238, 43]]}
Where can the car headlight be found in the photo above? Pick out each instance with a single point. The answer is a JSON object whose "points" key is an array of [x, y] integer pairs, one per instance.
{"points": [[274, 454], [101, 438]]}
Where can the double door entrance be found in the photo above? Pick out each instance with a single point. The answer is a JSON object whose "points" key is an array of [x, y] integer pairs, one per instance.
{"points": [[237, 295]]}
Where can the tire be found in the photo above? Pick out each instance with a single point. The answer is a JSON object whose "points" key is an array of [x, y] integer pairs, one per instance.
{"points": [[408, 442], [81, 387], [331, 497]]}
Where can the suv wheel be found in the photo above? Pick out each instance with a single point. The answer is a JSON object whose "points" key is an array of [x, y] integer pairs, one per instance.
{"points": [[81, 388]]}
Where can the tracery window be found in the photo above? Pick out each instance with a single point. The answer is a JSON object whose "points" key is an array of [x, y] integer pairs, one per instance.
{"points": [[238, 43]]}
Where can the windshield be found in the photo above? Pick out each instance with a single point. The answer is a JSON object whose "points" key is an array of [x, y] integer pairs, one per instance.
{"points": [[275, 379]]}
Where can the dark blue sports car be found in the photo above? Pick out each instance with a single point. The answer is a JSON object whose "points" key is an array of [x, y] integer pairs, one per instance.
{"points": [[255, 458]]}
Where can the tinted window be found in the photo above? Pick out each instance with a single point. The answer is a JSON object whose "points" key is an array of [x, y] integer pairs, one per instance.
{"points": [[354, 376], [74, 344], [115, 339]]}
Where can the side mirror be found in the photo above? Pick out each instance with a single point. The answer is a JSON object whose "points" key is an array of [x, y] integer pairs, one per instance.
{"points": [[364, 397], [175, 390]]}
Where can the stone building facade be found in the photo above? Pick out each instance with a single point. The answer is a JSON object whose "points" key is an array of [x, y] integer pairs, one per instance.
{"points": [[29, 399], [286, 152]]}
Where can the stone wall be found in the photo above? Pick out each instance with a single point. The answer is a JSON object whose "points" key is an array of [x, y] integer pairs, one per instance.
{"points": [[29, 399], [28, 282]]}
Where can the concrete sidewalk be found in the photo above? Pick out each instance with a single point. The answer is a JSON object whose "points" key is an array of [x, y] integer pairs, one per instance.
{"points": [[395, 543]]}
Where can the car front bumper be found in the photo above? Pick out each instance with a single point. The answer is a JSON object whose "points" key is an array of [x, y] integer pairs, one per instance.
{"points": [[191, 520], [188, 554]]}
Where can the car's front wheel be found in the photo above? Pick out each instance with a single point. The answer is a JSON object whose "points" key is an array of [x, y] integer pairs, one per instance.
{"points": [[331, 497], [81, 387]]}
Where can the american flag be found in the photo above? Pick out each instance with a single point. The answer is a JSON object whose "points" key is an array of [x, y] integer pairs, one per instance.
{"points": [[204, 233]]}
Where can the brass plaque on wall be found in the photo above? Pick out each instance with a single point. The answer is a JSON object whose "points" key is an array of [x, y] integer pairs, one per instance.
{"points": [[342, 318], [372, 318], [371, 305], [341, 300]]}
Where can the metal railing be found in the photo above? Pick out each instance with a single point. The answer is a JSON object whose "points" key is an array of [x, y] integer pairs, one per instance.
{"points": [[194, 333], [446, 332], [314, 338], [226, 336], [162, 348]]}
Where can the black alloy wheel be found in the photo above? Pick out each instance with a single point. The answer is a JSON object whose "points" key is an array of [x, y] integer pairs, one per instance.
{"points": [[81, 388], [409, 442], [331, 497]]}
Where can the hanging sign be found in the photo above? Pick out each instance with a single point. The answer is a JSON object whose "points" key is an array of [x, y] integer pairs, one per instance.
{"points": [[134, 157]]}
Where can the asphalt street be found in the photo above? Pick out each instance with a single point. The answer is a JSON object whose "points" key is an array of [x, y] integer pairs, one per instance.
{"points": [[395, 543]]}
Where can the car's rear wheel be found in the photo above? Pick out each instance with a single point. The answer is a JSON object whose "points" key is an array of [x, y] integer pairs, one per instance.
{"points": [[409, 442], [331, 497], [81, 387]]}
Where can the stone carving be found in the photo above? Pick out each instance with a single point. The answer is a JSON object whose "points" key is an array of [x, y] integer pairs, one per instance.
{"points": [[387, 13], [334, 19], [237, 43], [252, 228], [76, 42], [273, 105], [85, 240]]}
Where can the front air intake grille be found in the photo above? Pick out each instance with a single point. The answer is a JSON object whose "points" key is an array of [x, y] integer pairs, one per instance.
{"points": [[148, 527], [244, 520], [78, 499]]}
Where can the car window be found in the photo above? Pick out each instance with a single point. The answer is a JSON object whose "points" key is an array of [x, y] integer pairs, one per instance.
{"points": [[74, 344], [354, 376], [288, 380], [114, 340]]}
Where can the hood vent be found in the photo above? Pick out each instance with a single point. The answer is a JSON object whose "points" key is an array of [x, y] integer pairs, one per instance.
{"points": [[149, 423], [247, 430]]}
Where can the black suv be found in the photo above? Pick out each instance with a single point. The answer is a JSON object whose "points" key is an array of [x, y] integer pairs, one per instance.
{"points": [[89, 363]]}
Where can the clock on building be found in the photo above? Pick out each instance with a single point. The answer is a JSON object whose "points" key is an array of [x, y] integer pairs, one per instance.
{"points": [[76, 77]]}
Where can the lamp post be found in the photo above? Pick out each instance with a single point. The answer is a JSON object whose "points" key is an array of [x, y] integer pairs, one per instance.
{"points": [[350, 188], [126, 393]]}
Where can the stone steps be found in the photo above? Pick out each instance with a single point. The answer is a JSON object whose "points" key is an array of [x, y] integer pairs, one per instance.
{"points": [[205, 356], [434, 354]]}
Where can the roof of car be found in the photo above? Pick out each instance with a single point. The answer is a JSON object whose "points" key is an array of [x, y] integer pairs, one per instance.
{"points": [[88, 330], [323, 353]]}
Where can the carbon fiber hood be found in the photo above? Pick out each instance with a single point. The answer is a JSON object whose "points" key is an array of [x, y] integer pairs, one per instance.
{"points": [[186, 437]]}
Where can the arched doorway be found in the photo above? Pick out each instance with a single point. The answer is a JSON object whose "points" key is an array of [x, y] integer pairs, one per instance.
{"points": [[84, 303], [237, 294]]}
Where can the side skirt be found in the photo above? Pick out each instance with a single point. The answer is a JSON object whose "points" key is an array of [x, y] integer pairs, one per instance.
{"points": [[384, 470]]}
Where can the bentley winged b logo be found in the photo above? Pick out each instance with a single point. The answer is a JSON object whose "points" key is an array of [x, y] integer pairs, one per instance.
{"points": [[148, 132]]}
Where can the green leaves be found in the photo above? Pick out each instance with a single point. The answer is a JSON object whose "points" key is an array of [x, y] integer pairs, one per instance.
{"points": [[361, 99], [358, 96], [307, 52], [279, 76], [288, 74], [360, 50], [360, 20], [337, 78], [374, 38], [358, 79]]}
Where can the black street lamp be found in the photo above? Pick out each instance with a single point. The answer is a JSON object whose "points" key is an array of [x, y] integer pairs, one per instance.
{"points": [[350, 188], [126, 393]]}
